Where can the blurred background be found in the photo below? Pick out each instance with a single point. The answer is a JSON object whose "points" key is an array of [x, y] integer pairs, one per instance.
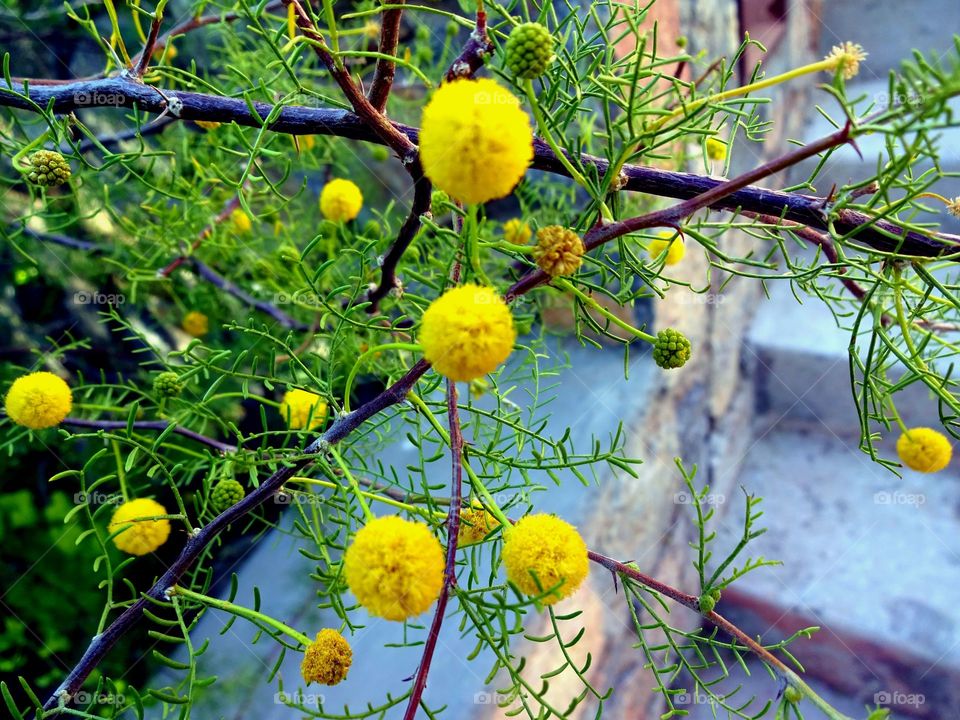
{"points": [[870, 558]]}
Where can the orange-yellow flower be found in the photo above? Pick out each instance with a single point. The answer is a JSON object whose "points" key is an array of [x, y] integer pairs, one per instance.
{"points": [[327, 659]]}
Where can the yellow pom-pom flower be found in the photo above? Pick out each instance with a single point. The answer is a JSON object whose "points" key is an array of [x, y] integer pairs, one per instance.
{"points": [[340, 200], [195, 323], [327, 659], [240, 222], [671, 242], [476, 522], [516, 231], [547, 550], [716, 149], [924, 449], [303, 410], [394, 567], [140, 536], [475, 141], [467, 332], [38, 400]]}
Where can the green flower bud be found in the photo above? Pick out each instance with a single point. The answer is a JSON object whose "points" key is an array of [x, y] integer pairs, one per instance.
{"points": [[47, 168], [372, 229], [792, 694], [671, 350], [529, 50], [707, 603], [167, 384], [380, 153], [225, 494]]}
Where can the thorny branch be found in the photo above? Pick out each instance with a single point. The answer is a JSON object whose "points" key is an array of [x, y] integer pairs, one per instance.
{"points": [[882, 235]]}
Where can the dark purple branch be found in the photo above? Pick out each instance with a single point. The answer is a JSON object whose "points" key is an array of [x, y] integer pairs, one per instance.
{"points": [[807, 210], [158, 425], [475, 52], [422, 194], [211, 275], [450, 568], [64, 240], [197, 542]]}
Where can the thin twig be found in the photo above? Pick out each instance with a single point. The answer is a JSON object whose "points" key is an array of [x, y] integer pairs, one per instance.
{"points": [[212, 276], [158, 425]]}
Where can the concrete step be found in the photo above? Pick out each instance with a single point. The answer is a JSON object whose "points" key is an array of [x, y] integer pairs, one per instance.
{"points": [[803, 371], [871, 558]]}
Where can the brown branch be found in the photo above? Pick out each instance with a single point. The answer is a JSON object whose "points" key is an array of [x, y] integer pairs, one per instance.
{"points": [[373, 118], [450, 568], [386, 69], [693, 602], [143, 61]]}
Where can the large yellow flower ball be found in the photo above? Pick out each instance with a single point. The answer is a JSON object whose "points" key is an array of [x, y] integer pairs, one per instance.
{"points": [[924, 449], [549, 548], [300, 407], [340, 200], [475, 140], [142, 536], [327, 659], [394, 567], [467, 332], [38, 400]]}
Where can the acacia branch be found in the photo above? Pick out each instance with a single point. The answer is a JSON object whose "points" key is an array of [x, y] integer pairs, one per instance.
{"points": [[880, 234], [199, 541]]}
